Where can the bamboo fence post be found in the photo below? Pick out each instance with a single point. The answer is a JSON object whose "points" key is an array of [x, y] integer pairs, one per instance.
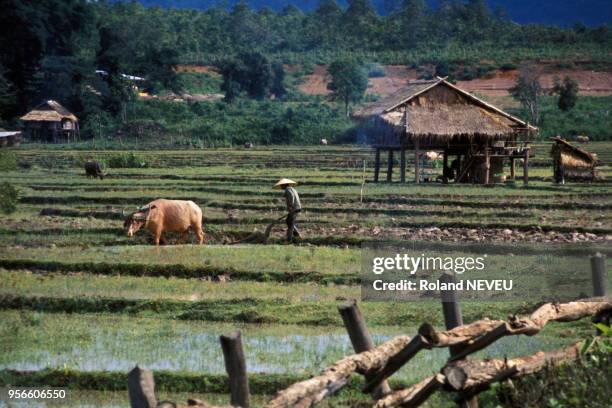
{"points": [[453, 318], [235, 366], [141, 388], [361, 340]]}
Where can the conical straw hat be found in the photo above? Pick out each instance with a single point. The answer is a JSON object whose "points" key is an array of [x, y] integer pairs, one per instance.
{"points": [[284, 181]]}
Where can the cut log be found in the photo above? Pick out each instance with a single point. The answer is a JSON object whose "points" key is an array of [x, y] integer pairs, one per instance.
{"points": [[413, 396], [469, 377], [309, 392], [465, 375], [478, 335], [562, 312], [396, 362]]}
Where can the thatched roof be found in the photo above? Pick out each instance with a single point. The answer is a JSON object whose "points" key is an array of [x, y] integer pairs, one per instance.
{"points": [[49, 111], [438, 110], [573, 156]]}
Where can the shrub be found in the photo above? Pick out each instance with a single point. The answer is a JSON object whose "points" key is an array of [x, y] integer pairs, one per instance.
{"points": [[126, 160], [8, 161], [508, 66], [9, 196]]}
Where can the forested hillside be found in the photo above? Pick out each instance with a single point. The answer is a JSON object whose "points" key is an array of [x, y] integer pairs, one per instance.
{"points": [[51, 50], [562, 13]]}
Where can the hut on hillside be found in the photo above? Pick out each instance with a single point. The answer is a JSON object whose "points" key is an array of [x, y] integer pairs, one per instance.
{"points": [[435, 115], [51, 122], [572, 162]]}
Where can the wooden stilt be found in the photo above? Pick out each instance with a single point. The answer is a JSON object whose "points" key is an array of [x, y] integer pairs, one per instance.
{"points": [[377, 165], [445, 167], [512, 168], [417, 169], [390, 166], [403, 165], [526, 167], [487, 176]]}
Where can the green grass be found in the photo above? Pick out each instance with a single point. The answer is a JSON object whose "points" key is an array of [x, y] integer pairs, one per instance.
{"points": [[591, 116], [115, 343], [200, 83], [75, 291]]}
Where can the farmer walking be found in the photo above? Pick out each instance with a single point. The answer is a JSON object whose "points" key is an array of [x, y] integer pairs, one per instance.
{"points": [[293, 207]]}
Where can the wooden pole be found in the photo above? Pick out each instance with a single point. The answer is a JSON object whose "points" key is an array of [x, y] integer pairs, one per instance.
{"points": [[487, 166], [445, 166], [361, 340], [600, 285], [235, 366], [417, 169], [403, 165], [453, 318], [390, 166], [141, 388], [377, 165], [512, 168], [598, 274], [526, 167]]}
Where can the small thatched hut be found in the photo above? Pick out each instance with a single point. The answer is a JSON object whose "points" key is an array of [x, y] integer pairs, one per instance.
{"points": [[51, 122], [435, 115], [572, 162], [10, 138]]}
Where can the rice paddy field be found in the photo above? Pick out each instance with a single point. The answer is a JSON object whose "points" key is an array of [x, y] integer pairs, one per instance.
{"points": [[81, 303]]}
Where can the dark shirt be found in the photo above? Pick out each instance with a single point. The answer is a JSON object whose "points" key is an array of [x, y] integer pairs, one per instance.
{"points": [[293, 200]]}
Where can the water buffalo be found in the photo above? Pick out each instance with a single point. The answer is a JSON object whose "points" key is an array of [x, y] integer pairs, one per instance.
{"points": [[160, 216], [581, 139], [93, 169]]}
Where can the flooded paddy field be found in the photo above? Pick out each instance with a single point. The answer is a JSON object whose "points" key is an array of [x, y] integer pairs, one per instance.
{"points": [[78, 296]]}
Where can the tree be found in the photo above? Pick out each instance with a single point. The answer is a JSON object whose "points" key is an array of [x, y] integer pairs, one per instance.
{"points": [[359, 19], [349, 81], [7, 96], [413, 17], [278, 86], [250, 73], [567, 91], [528, 90]]}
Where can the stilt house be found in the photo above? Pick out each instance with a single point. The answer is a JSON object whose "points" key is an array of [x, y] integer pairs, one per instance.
{"points": [[435, 115], [52, 123]]}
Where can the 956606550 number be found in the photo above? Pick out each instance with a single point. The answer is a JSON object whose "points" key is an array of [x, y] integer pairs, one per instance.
{"points": [[33, 393]]}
